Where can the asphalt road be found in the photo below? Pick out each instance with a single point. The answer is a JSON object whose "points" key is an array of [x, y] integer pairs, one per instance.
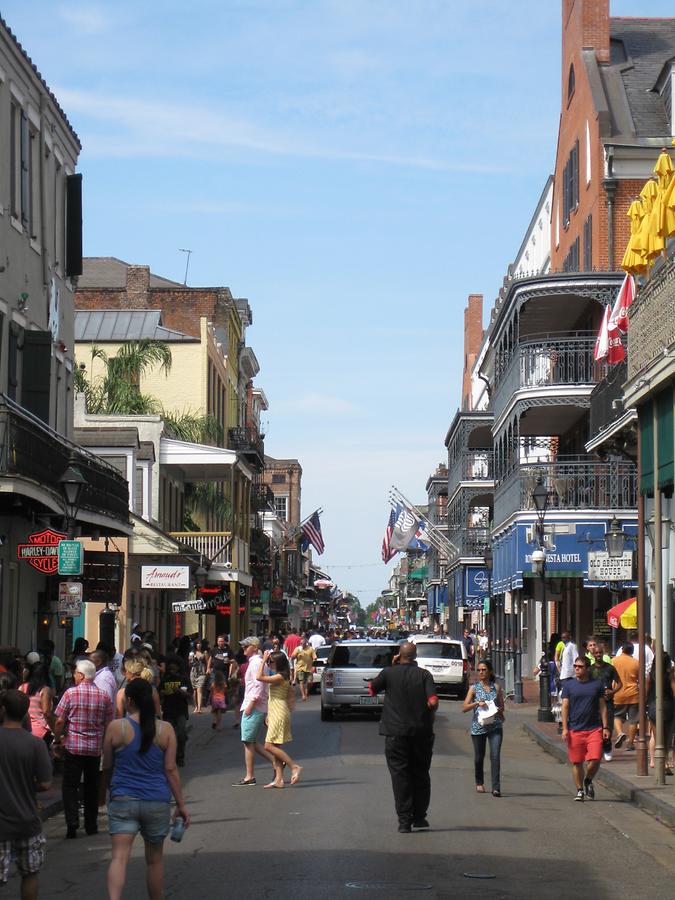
{"points": [[334, 834]]}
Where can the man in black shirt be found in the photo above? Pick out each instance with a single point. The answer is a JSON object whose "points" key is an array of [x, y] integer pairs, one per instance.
{"points": [[407, 724], [173, 690]]}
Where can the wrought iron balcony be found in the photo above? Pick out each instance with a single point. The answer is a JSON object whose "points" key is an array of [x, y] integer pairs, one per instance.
{"points": [[573, 482], [472, 465], [249, 443], [607, 408], [543, 363], [214, 546], [652, 319], [470, 542], [262, 498], [31, 450]]}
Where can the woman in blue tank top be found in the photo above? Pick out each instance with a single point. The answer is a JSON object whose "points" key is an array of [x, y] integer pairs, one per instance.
{"points": [[139, 765]]}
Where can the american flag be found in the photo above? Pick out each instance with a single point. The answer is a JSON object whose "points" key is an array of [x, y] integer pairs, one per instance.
{"points": [[387, 553], [311, 534]]}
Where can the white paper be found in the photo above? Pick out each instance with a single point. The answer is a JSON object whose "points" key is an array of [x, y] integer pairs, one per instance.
{"points": [[488, 713]]}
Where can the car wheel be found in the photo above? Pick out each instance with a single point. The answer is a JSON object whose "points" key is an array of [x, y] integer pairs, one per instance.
{"points": [[326, 714]]}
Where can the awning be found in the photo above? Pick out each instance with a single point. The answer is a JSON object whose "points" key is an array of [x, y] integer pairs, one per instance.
{"points": [[660, 409], [624, 614]]}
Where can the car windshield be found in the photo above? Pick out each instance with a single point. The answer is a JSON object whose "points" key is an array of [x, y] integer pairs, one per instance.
{"points": [[362, 657], [438, 650], [322, 654]]}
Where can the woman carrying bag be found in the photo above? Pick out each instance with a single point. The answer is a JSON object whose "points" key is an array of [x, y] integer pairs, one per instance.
{"points": [[486, 700]]}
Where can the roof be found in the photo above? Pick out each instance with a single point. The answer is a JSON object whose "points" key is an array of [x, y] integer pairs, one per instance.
{"points": [[272, 463], [630, 79], [37, 72], [111, 436], [110, 272], [124, 325]]}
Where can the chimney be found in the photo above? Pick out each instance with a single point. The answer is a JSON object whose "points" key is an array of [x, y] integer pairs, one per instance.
{"points": [[138, 285], [585, 25], [473, 338]]}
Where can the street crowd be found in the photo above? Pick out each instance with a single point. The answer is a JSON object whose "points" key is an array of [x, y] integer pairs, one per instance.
{"points": [[115, 725]]}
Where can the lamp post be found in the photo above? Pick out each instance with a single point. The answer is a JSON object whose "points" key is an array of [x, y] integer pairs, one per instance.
{"points": [[488, 562], [72, 483], [540, 499]]}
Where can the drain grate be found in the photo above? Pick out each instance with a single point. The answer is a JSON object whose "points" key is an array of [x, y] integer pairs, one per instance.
{"points": [[398, 886]]}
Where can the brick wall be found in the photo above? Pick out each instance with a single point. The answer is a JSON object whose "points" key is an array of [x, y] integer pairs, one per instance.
{"points": [[473, 338]]}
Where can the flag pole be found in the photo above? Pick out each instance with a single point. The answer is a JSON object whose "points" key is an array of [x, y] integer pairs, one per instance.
{"points": [[443, 542], [298, 527]]}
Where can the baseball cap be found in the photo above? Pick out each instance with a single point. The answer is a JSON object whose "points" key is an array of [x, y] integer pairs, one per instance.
{"points": [[251, 642], [32, 657]]}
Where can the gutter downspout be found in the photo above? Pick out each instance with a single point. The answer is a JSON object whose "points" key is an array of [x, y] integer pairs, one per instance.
{"points": [[610, 185]]}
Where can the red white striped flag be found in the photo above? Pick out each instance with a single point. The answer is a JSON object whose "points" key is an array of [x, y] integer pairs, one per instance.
{"points": [[387, 553], [311, 534], [602, 340]]}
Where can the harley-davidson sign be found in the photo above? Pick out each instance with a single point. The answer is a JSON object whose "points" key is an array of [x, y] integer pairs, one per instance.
{"points": [[42, 550]]}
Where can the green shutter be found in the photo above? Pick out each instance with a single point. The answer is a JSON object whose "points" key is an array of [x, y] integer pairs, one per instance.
{"points": [[646, 422], [664, 416]]}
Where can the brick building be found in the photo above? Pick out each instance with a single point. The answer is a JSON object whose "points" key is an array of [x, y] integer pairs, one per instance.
{"points": [[616, 113]]}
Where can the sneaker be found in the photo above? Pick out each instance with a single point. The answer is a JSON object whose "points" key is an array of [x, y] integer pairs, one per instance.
{"points": [[629, 747], [404, 828], [607, 756], [589, 789], [420, 823], [245, 782], [619, 741], [580, 796]]}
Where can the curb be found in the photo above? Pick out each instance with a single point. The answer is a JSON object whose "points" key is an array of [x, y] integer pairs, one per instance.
{"points": [[644, 800]]}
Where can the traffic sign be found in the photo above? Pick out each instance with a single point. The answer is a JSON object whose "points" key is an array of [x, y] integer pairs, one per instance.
{"points": [[70, 598], [70, 558]]}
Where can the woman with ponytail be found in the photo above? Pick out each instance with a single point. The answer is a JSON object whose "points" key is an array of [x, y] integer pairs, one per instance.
{"points": [[139, 764]]}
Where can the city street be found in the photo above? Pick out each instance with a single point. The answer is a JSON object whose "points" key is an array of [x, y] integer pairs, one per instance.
{"points": [[334, 835]]}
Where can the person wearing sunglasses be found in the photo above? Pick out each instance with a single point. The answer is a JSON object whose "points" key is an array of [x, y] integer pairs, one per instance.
{"points": [[584, 726]]}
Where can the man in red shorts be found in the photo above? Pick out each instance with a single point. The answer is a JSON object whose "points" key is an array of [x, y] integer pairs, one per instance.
{"points": [[584, 726]]}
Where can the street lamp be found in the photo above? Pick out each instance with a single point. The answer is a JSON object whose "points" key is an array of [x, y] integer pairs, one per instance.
{"points": [[201, 575], [72, 483], [615, 539], [540, 499]]}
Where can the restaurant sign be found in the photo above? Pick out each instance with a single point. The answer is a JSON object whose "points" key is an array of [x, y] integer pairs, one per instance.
{"points": [[165, 577], [42, 550], [199, 605]]}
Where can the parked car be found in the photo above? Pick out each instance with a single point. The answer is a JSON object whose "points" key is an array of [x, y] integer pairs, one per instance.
{"points": [[349, 667], [319, 665], [446, 660]]}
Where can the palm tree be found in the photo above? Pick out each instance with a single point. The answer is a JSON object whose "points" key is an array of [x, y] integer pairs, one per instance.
{"points": [[117, 391]]}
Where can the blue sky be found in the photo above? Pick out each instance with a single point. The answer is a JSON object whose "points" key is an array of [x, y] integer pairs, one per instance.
{"points": [[355, 168]]}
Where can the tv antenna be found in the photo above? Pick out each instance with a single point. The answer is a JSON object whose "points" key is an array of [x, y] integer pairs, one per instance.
{"points": [[187, 264]]}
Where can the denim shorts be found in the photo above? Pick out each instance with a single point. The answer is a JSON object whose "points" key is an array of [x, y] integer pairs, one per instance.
{"points": [[251, 725], [150, 817]]}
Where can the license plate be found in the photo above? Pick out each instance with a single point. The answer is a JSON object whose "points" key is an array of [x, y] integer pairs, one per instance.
{"points": [[369, 701]]}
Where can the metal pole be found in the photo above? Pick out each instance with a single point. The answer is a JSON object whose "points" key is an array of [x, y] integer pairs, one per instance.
{"points": [[659, 750], [544, 713], [641, 742]]}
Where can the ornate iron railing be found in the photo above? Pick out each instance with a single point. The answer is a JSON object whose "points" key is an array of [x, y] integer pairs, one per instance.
{"points": [[472, 465], [262, 498], [545, 362], [572, 483], [652, 319], [606, 400], [247, 441], [214, 546], [470, 541], [30, 449]]}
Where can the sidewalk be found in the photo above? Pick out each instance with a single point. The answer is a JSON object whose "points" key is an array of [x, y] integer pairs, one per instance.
{"points": [[617, 776]]}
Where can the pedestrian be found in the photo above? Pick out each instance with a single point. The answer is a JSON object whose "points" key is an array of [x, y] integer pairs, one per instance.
{"points": [[83, 714], [291, 644], [218, 698], [41, 702], [220, 658], [104, 680], [134, 667], [279, 716], [25, 768], [253, 710], [486, 700], [173, 692], [483, 643], [649, 652], [317, 640], [410, 701], [139, 764], [585, 726], [54, 666], [626, 698], [198, 661], [304, 657], [668, 695], [604, 671], [467, 640]]}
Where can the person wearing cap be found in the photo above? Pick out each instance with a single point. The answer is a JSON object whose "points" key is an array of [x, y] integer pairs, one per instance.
{"points": [[253, 711]]}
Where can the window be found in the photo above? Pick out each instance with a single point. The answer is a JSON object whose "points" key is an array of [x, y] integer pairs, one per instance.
{"points": [[138, 491], [571, 84], [439, 650], [19, 164], [588, 244], [571, 261], [570, 184], [279, 479], [281, 507], [33, 199]]}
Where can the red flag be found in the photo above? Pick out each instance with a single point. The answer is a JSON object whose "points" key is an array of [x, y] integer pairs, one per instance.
{"points": [[602, 340], [615, 349], [624, 301]]}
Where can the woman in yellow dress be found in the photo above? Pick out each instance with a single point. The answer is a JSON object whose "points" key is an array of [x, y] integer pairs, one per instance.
{"points": [[282, 698]]}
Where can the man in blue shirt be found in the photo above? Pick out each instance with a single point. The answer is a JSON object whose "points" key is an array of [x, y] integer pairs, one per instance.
{"points": [[584, 726]]}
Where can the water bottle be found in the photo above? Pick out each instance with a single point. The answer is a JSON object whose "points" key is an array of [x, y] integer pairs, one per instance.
{"points": [[178, 829]]}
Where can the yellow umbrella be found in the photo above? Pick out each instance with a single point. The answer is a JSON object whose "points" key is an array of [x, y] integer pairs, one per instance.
{"points": [[633, 261], [649, 242]]}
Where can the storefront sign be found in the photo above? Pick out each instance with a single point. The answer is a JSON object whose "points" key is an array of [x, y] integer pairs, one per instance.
{"points": [[70, 558], [70, 598], [603, 567], [198, 605], [42, 550], [165, 577]]}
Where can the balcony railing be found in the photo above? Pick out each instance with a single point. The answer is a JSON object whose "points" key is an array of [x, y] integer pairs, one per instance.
{"points": [[262, 498], [472, 465], [545, 362], [470, 541], [214, 546], [30, 449], [606, 400], [572, 483], [248, 442], [652, 320]]}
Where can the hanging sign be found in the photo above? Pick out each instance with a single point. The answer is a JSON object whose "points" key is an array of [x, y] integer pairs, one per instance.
{"points": [[165, 577], [198, 605], [70, 598], [603, 567], [70, 558], [42, 550]]}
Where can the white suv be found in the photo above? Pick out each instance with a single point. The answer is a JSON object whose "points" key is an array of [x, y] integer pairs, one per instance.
{"points": [[446, 660]]}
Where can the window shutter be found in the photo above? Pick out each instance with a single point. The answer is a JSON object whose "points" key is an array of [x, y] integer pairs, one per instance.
{"points": [[36, 371], [25, 170], [73, 225]]}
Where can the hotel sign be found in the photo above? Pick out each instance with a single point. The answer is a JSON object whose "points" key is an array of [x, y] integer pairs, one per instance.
{"points": [[42, 550], [165, 577]]}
